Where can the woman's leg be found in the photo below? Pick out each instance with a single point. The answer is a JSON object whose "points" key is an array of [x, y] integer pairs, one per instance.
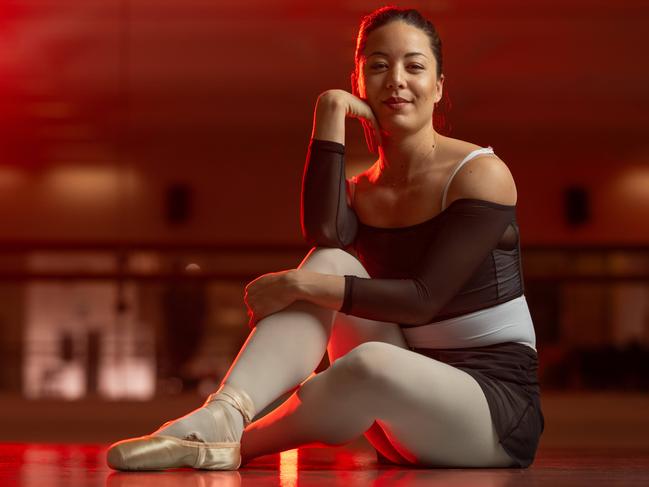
{"points": [[432, 413], [375, 382], [347, 332], [280, 353], [350, 331], [323, 405]]}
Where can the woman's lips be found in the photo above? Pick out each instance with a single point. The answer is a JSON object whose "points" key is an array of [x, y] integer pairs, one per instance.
{"points": [[397, 106]]}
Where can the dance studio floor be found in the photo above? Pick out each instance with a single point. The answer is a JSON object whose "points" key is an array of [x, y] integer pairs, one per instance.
{"points": [[76, 465], [590, 440]]}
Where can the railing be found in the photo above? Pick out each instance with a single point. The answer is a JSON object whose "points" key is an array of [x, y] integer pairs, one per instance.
{"points": [[118, 319]]}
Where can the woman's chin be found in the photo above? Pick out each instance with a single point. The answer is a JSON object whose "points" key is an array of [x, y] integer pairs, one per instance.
{"points": [[393, 127]]}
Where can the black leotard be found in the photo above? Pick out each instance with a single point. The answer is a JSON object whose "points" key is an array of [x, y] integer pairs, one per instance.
{"points": [[464, 259]]}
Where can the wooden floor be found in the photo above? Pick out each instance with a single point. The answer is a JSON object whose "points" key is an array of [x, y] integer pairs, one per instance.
{"points": [[75, 465], [597, 439]]}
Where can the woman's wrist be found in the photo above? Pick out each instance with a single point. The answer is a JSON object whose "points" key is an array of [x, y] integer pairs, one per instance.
{"points": [[329, 119], [331, 100], [323, 289], [301, 284]]}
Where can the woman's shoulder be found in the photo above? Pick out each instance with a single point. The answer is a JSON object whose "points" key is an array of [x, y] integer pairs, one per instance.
{"points": [[485, 176], [457, 150]]}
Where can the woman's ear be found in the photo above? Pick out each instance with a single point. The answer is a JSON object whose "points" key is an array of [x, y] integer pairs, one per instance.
{"points": [[440, 88]]}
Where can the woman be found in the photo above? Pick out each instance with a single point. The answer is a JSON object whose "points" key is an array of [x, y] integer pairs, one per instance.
{"points": [[427, 329]]}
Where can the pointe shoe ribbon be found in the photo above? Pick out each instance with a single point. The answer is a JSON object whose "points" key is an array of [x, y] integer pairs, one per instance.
{"points": [[160, 452], [237, 398]]}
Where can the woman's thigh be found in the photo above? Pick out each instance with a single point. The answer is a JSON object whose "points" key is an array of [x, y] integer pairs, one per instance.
{"points": [[350, 331], [432, 413]]}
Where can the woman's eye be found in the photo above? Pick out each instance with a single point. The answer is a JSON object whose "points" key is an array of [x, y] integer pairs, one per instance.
{"points": [[383, 65]]}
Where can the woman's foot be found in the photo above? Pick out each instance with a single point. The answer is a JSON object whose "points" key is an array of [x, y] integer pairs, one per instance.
{"points": [[214, 421], [206, 438]]}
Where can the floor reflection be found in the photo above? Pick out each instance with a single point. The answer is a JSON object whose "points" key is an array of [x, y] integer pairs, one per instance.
{"points": [[71, 465], [347, 478]]}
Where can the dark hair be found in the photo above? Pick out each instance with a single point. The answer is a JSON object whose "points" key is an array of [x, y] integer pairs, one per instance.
{"points": [[380, 17]]}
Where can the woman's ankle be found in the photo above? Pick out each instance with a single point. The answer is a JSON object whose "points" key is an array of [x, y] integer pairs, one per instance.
{"points": [[237, 398]]}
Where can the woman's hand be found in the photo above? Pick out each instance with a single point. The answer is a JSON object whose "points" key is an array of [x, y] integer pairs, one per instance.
{"points": [[354, 107], [269, 294]]}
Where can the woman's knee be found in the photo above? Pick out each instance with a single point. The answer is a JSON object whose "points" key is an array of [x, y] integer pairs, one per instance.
{"points": [[368, 363], [332, 260]]}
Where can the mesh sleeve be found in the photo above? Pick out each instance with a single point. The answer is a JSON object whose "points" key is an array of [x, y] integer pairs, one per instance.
{"points": [[326, 218], [469, 230]]}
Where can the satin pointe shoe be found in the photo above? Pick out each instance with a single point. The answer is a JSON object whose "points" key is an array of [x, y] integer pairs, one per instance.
{"points": [[159, 452]]}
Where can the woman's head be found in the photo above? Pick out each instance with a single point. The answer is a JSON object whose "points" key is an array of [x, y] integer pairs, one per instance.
{"points": [[398, 53]]}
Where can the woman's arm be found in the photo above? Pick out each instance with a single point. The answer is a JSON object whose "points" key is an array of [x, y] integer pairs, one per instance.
{"points": [[326, 218], [468, 230]]}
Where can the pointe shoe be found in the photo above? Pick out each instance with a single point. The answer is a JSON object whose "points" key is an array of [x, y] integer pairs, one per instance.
{"points": [[158, 452]]}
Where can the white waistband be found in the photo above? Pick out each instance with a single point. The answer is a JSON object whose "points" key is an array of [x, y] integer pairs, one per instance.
{"points": [[506, 322]]}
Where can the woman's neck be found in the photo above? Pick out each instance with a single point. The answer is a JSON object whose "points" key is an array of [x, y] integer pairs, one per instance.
{"points": [[403, 158]]}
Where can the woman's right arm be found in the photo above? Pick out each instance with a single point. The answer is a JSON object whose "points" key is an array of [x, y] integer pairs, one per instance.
{"points": [[326, 218]]}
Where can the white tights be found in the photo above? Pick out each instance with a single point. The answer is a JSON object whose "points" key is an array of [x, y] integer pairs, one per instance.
{"points": [[411, 408]]}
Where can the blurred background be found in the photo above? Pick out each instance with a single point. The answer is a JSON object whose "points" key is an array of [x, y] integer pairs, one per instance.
{"points": [[139, 136]]}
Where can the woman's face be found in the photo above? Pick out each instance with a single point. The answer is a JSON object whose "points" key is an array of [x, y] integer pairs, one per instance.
{"points": [[398, 62]]}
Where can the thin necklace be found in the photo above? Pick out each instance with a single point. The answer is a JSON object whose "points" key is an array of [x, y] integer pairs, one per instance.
{"points": [[403, 180]]}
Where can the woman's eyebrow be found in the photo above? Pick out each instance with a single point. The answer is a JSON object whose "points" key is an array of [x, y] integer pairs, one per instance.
{"points": [[409, 54]]}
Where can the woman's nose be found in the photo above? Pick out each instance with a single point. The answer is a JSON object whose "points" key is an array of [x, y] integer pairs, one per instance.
{"points": [[395, 78]]}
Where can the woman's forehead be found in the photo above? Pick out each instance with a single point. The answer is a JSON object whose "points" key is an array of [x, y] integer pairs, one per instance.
{"points": [[397, 39]]}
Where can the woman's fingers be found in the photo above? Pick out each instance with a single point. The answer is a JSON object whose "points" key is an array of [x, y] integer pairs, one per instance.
{"points": [[358, 107]]}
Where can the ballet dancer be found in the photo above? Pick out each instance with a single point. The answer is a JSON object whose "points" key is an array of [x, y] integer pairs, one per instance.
{"points": [[413, 286]]}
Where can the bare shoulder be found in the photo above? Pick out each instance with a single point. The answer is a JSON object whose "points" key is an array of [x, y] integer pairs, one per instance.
{"points": [[456, 148], [484, 177]]}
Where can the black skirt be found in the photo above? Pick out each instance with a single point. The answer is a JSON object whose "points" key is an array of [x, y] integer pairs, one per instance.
{"points": [[507, 374]]}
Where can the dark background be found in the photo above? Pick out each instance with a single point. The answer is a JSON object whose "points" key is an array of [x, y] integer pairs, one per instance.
{"points": [[137, 136]]}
